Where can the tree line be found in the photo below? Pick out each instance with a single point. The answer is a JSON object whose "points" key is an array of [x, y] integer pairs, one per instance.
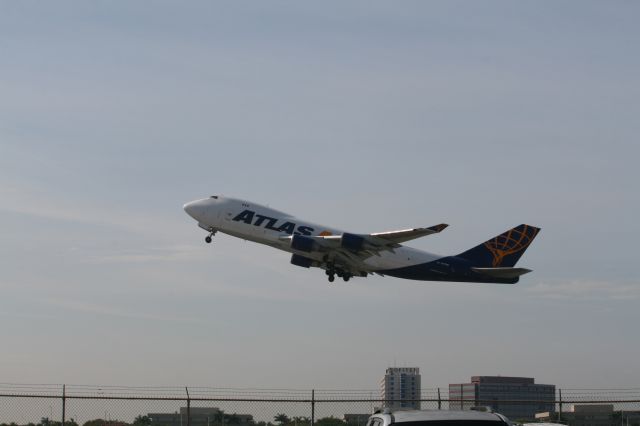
{"points": [[218, 419]]}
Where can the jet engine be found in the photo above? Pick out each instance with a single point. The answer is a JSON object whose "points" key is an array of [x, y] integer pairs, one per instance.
{"points": [[302, 261], [302, 243], [352, 242]]}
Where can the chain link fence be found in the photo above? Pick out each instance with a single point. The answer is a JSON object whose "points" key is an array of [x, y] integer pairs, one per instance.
{"points": [[66, 405]]}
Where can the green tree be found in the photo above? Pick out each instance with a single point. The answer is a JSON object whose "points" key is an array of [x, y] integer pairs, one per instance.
{"points": [[219, 417], [233, 419], [70, 422], [142, 421], [330, 421], [282, 419], [99, 422]]}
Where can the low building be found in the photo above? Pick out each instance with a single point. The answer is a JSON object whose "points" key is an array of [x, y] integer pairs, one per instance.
{"points": [[200, 416], [627, 418], [518, 398], [582, 415]]}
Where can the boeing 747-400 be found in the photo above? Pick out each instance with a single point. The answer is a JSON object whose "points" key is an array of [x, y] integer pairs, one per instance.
{"points": [[347, 255]]}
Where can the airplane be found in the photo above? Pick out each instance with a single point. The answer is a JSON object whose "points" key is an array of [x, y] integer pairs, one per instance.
{"points": [[348, 255]]}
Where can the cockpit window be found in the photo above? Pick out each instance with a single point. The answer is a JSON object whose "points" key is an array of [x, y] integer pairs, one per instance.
{"points": [[214, 196]]}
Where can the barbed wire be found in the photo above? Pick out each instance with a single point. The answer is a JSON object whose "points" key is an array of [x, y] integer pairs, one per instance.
{"points": [[228, 393]]}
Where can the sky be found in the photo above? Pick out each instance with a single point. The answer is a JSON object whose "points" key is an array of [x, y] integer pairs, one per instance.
{"points": [[367, 116]]}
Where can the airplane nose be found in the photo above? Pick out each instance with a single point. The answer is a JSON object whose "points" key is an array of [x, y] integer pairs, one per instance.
{"points": [[193, 209]]}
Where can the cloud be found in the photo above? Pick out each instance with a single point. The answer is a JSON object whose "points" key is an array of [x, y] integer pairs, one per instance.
{"points": [[29, 200], [26, 315], [93, 308], [175, 253], [581, 289]]}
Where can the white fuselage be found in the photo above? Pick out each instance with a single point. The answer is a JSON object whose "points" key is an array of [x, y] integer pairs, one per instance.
{"points": [[264, 225]]}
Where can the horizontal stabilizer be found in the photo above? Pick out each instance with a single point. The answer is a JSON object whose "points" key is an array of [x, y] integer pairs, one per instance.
{"points": [[502, 272]]}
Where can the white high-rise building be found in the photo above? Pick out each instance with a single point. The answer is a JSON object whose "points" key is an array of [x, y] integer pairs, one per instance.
{"points": [[400, 388]]}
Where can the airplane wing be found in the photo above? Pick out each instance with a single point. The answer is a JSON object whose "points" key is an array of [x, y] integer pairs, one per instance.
{"points": [[380, 241], [359, 246], [398, 237]]}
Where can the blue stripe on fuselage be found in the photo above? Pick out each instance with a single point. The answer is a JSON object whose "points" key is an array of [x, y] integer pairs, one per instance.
{"points": [[450, 268]]}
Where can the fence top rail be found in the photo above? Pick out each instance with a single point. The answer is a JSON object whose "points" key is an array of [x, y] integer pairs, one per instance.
{"points": [[175, 393], [308, 400], [252, 389]]}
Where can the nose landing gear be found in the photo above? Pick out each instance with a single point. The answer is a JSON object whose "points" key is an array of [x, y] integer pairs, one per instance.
{"points": [[209, 237]]}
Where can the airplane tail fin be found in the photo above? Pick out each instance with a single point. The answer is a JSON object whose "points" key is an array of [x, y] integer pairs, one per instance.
{"points": [[502, 251]]}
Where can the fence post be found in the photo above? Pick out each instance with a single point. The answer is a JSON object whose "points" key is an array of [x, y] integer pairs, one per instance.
{"points": [[64, 403], [313, 406], [188, 407], [439, 400], [560, 405]]}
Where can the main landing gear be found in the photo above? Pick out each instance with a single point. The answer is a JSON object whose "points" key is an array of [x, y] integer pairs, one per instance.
{"points": [[209, 237], [332, 272]]}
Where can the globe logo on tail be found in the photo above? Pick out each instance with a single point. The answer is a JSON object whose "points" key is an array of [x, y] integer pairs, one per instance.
{"points": [[512, 241]]}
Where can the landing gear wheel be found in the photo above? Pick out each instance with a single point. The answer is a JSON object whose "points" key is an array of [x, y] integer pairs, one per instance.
{"points": [[346, 278], [211, 234], [332, 278]]}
